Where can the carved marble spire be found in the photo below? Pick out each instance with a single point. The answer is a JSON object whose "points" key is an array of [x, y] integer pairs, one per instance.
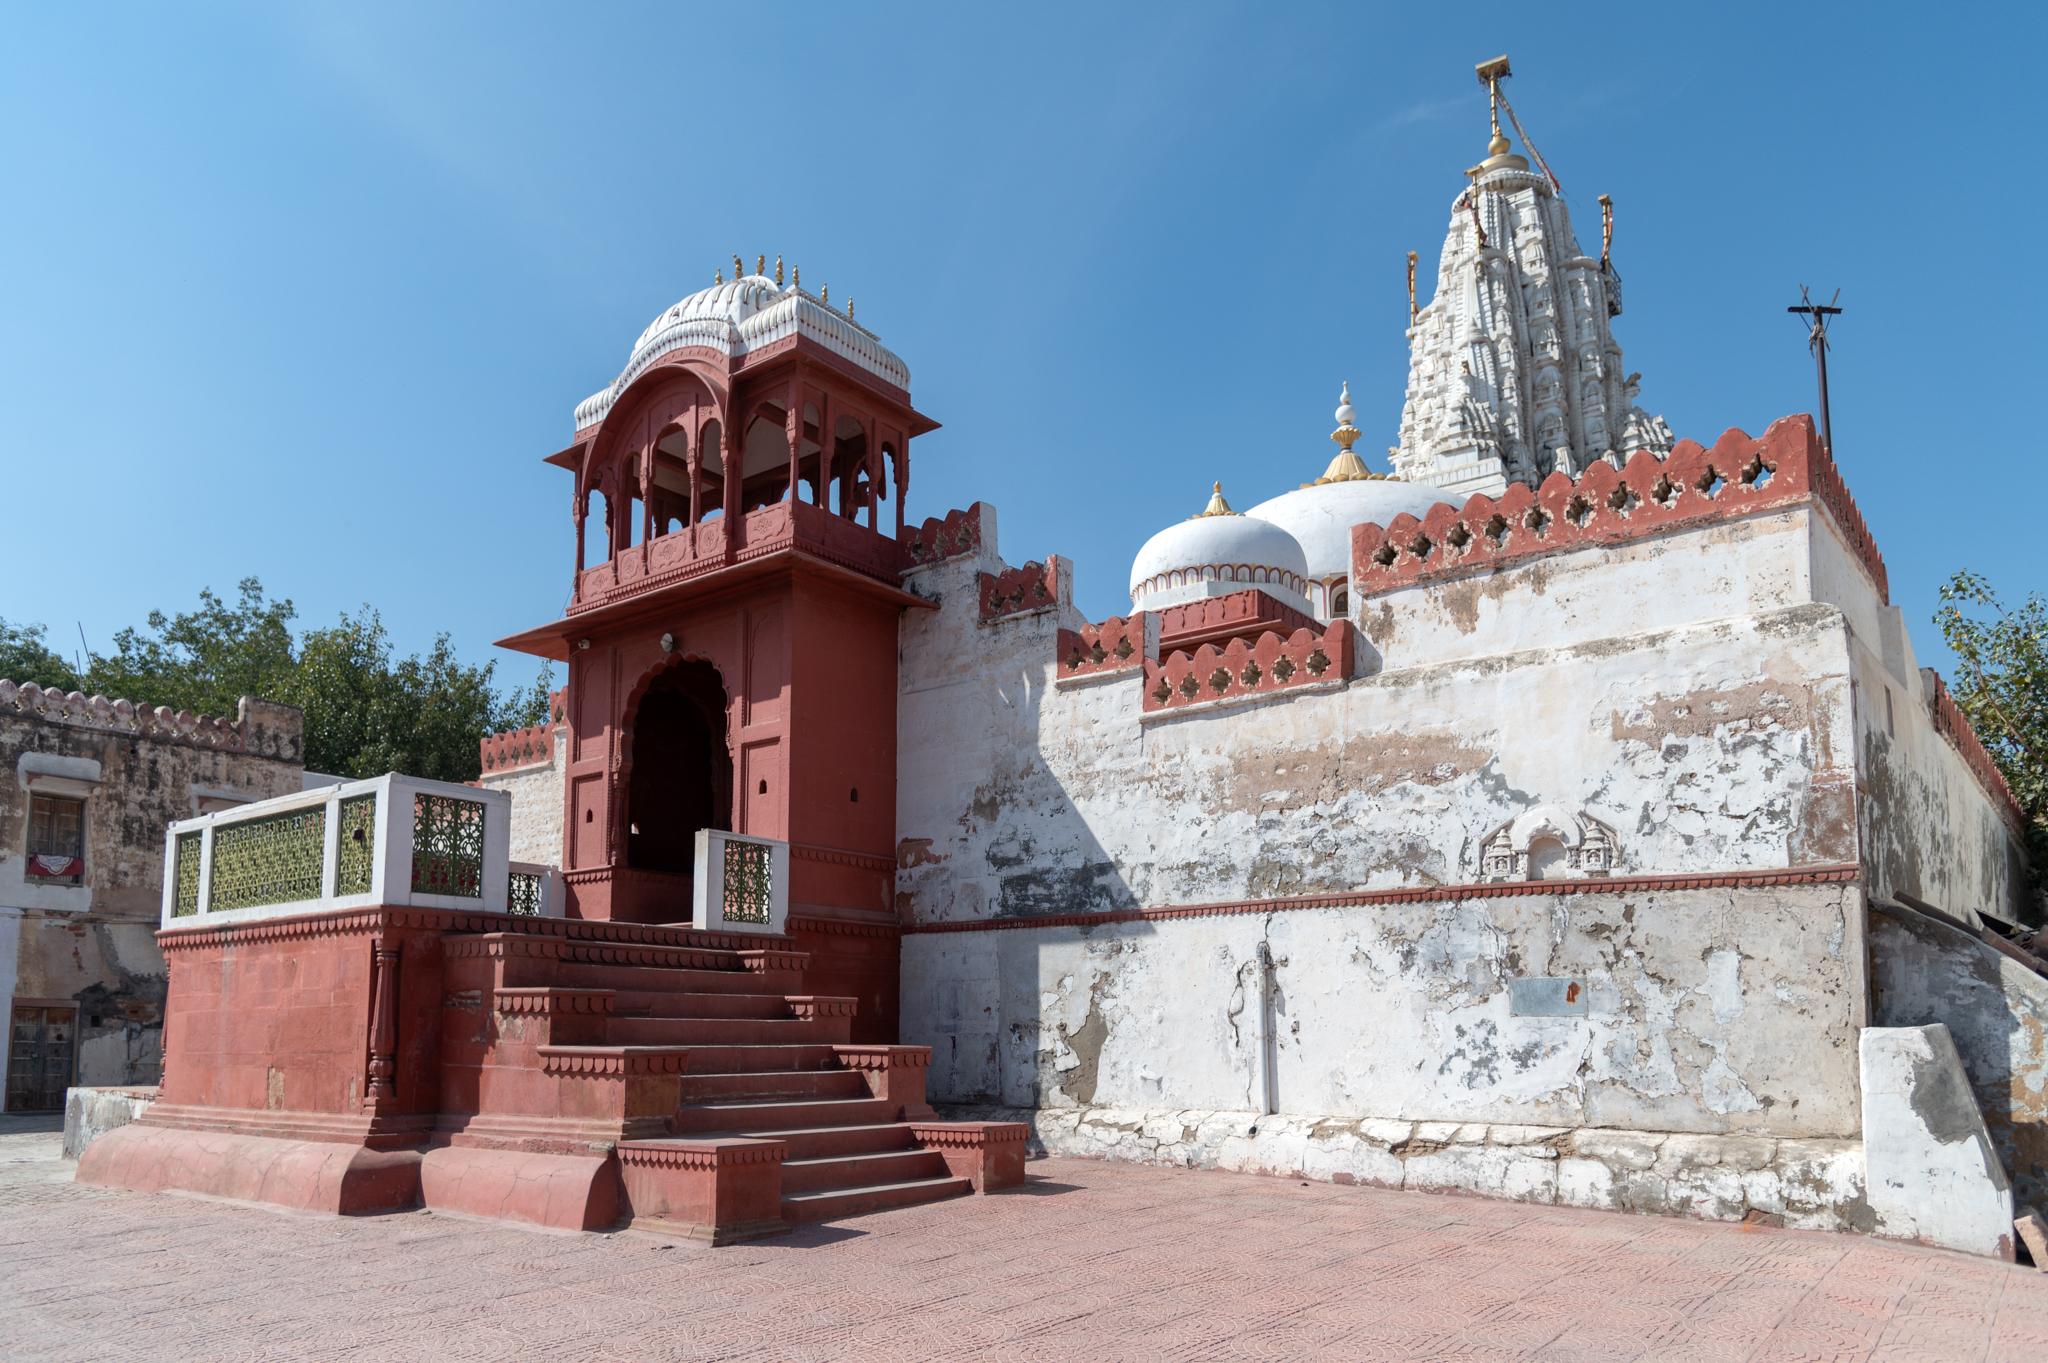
{"points": [[1513, 370]]}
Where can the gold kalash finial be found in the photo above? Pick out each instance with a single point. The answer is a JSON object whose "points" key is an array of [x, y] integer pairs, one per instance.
{"points": [[1217, 506], [1346, 467]]}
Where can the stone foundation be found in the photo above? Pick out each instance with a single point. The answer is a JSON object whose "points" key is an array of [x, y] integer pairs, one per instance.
{"points": [[90, 1113], [1814, 1184]]}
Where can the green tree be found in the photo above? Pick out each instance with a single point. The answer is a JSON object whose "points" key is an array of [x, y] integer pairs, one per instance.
{"points": [[25, 656], [204, 660], [2002, 689], [366, 713], [424, 716]]}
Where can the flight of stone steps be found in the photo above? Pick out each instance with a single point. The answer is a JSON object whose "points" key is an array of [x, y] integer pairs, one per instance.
{"points": [[701, 1061]]}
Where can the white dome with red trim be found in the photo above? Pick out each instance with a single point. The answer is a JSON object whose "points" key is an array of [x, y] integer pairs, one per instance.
{"points": [[1215, 554]]}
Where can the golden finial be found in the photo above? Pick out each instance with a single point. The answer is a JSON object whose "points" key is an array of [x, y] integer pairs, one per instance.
{"points": [[761, 265], [718, 277], [778, 271], [739, 269], [1346, 467], [1217, 506], [825, 295], [849, 307], [796, 277]]}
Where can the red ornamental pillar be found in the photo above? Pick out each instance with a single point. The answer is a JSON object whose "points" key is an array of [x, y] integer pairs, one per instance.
{"points": [[793, 431], [383, 1023], [733, 456]]}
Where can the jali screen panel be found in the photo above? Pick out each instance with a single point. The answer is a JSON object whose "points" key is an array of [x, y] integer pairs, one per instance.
{"points": [[267, 861], [524, 894], [447, 846], [185, 899], [355, 856], [748, 876]]}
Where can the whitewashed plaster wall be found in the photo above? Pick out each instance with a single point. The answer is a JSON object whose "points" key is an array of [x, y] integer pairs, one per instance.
{"points": [[1715, 746], [1995, 1008], [1928, 827], [1709, 1010], [536, 793], [1727, 568]]}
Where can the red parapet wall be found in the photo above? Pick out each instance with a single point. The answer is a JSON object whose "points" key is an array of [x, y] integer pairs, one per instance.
{"points": [[1953, 725], [1019, 591], [1115, 645], [1692, 486], [1240, 615], [523, 747], [938, 540], [1269, 666]]}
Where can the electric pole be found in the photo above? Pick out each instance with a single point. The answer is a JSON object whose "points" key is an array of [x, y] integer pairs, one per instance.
{"points": [[1817, 315]]}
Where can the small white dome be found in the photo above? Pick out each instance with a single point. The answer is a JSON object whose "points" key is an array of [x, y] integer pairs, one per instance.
{"points": [[1320, 517], [1214, 555]]}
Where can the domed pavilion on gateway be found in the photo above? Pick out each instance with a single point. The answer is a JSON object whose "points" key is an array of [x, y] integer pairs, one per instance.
{"points": [[1559, 814]]}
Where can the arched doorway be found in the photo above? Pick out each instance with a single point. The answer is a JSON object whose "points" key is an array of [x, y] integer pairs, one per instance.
{"points": [[682, 769]]}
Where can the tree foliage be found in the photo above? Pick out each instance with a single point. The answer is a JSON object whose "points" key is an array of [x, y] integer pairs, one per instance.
{"points": [[26, 656], [2002, 689], [366, 712]]}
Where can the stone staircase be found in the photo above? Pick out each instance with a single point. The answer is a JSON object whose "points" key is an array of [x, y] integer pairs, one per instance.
{"points": [[760, 1071], [735, 1104]]}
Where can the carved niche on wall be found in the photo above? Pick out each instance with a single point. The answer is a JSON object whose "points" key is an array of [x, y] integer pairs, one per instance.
{"points": [[1548, 842]]}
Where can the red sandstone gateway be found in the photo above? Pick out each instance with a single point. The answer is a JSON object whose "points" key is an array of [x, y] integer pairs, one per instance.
{"points": [[705, 1040]]}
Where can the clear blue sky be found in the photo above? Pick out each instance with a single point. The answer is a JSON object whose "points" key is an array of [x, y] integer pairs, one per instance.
{"points": [[308, 293]]}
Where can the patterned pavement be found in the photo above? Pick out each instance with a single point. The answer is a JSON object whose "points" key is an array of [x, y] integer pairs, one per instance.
{"points": [[1090, 1261]]}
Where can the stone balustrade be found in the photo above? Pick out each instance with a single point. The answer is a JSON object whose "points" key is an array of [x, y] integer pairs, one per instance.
{"points": [[391, 840]]}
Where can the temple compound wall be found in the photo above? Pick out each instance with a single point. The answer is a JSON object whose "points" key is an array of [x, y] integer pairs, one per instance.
{"points": [[1551, 882], [88, 788]]}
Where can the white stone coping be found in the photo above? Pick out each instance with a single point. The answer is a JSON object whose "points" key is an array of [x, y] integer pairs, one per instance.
{"points": [[707, 910], [391, 865], [1077, 680]]}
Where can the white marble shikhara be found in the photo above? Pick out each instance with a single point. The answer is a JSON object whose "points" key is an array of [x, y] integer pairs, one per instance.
{"points": [[1513, 369]]}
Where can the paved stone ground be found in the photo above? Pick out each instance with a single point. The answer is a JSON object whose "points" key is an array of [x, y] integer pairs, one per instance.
{"points": [[1092, 1261]]}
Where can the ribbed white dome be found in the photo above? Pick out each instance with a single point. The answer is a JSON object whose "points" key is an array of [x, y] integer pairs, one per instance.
{"points": [[737, 317], [1320, 518], [1217, 555]]}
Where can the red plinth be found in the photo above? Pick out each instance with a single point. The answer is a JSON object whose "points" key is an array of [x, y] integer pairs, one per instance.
{"points": [[989, 1153], [718, 1191], [535, 1070]]}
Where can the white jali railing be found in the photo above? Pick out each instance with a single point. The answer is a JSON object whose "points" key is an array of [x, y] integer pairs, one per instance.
{"points": [[741, 885], [389, 840]]}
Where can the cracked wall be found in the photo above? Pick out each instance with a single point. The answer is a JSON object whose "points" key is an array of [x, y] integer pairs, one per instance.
{"points": [[1710, 745], [93, 946], [1710, 1011]]}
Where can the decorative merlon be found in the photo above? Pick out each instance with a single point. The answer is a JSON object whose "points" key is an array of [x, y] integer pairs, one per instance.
{"points": [[1739, 476], [122, 716]]}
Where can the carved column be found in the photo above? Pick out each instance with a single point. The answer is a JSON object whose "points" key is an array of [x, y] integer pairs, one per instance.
{"points": [[734, 455], [693, 455], [383, 1023], [873, 461], [902, 479], [646, 503], [793, 429], [820, 486], [579, 509]]}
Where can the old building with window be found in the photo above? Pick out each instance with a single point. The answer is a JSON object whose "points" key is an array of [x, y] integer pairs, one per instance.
{"points": [[89, 786]]}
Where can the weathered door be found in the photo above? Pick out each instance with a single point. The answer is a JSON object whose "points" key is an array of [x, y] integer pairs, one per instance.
{"points": [[39, 1058]]}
